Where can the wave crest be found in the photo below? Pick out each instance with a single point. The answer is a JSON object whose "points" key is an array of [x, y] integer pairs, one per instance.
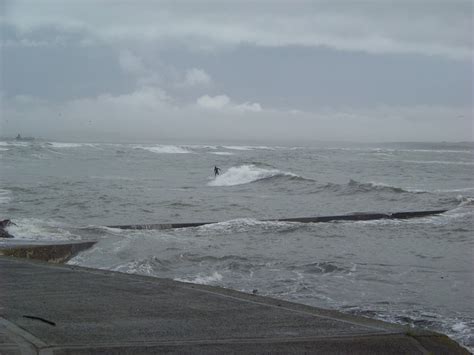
{"points": [[244, 225], [465, 201], [353, 187], [68, 145], [164, 149], [245, 174], [374, 186], [203, 279]]}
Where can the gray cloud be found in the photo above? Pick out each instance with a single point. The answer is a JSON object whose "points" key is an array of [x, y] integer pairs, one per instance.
{"points": [[205, 69], [432, 27]]}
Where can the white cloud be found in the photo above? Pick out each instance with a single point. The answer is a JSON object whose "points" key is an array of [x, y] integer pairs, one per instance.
{"points": [[215, 102], [161, 74], [223, 102], [149, 113], [249, 106], [196, 77], [145, 76]]}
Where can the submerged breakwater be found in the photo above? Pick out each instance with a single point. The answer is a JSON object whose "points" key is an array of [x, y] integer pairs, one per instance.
{"points": [[321, 219], [409, 271]]}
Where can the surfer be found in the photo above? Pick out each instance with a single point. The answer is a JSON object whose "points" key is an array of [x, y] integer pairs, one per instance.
{"points": [[216, 171]]}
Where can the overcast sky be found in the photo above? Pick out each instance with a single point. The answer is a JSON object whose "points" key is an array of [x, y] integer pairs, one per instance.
{"points": [[352, 70]]}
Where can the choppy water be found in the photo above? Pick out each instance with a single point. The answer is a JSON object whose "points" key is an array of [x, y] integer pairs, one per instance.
{"points": [[417, 272]]}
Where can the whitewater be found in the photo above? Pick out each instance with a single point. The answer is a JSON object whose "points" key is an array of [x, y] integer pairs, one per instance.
{"points": [[417, 272]]}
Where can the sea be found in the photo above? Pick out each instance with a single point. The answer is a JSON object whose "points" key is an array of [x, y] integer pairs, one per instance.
{"points": [[416, 272]]}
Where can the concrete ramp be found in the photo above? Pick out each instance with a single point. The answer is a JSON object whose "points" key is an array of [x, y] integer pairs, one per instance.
{"points": [[61, 309]]}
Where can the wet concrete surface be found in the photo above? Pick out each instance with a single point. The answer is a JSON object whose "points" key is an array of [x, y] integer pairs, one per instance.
{"points": [[62, 309]]}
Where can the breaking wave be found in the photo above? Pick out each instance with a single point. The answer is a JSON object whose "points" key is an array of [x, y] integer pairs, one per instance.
{"points": [[222, 153], [14, 144], [202, 279], [40, 230], [68, 145], [465, 201], [245, 174], [150, 266], [353, 187], [247, 147], [459, 201], [244, 225], [164, 149]]}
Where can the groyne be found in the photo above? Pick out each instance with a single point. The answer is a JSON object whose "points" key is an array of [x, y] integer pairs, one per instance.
{"points": [[320, 219], [53, 252]]}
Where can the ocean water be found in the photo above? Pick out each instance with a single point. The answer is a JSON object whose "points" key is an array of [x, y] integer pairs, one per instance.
{"points": [[417, 272]]}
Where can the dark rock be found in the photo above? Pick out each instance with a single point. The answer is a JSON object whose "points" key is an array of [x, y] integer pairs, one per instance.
{"points": [[5, 223], [53, 253]]}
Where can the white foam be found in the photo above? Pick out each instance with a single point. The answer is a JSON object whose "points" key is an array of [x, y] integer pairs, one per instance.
{"points": [[222, 153], [203, 279], [136, 267], [14, 144], [237, 147], [68, 145], [199, 146], [5, 196], [164, 149], [438, 162], [247, 147], [376, 184], [36, 229], [459, 327], [381, 184], [243, 225], [245, 174], [466, 189], [464, 201]]}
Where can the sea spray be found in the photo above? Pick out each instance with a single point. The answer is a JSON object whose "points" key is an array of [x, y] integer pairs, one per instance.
{"points": [[245, 174]]}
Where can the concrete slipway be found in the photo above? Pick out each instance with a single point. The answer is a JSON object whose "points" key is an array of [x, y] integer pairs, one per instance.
{"points": [[60, 309]]}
